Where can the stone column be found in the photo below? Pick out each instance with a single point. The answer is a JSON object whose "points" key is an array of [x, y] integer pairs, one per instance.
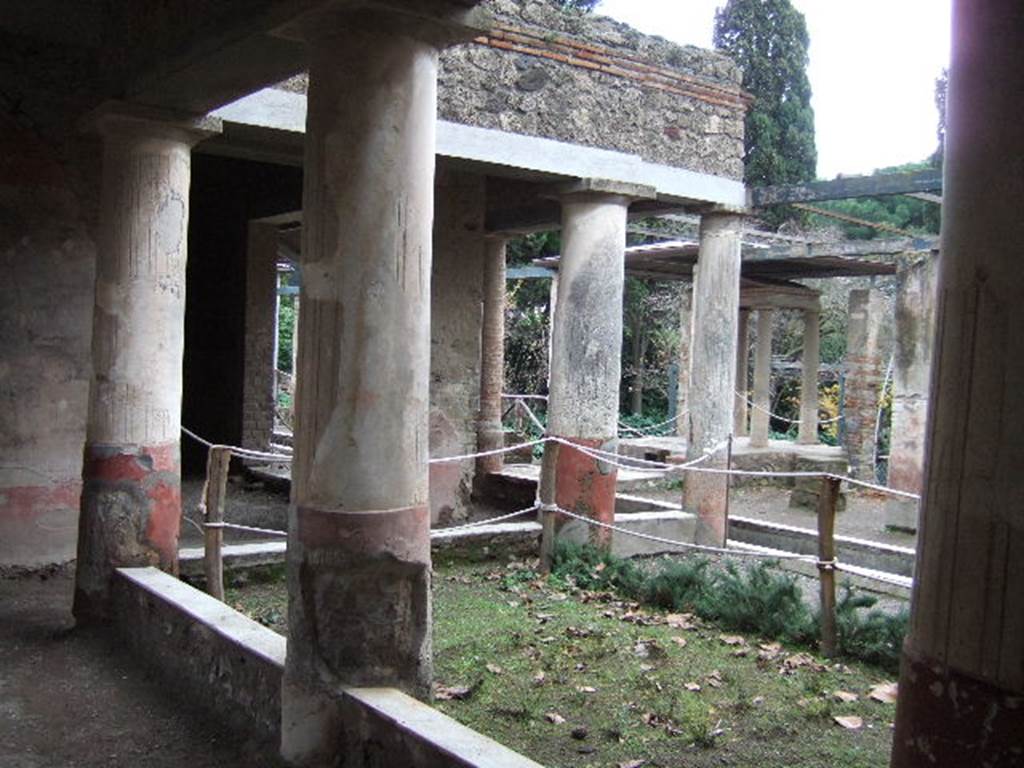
{"points": [[685, 341], [490, 434], [359, 540], [131, 474], [456, 314], [261, 313], [742, 410], [760, 420], [808, 431], [716, 300], [864, 376], [961, 688], [586, 351]]}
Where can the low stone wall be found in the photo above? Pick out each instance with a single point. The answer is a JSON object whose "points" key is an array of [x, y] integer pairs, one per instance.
{"points": [[787, 538], [210, 651], [235, 666]]}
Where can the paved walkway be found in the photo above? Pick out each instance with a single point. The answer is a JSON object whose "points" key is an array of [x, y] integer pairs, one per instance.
{"points": [[75, 698]]}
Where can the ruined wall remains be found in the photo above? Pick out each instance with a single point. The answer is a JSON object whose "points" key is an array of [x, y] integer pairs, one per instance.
{"points": [[912, 366], [47, 260], [586, 79], [260, 331], [456, 307], [864, 375]]}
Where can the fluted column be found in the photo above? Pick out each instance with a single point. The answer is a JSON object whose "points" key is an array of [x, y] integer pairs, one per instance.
{"points": [[808, 432], [490, 434], [716, 299], [742, 411], [131, 474], [961, 682], [359, 528], [760, 419], [586, 353]]}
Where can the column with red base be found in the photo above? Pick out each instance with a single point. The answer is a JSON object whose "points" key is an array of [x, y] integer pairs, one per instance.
{"points": [[131, 486], [961, 688], [586, 349]]}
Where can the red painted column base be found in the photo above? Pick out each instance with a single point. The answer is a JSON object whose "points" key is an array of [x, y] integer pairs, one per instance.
{"points": [[359, 599], [586, 486], [130, 516], [946, 719]]}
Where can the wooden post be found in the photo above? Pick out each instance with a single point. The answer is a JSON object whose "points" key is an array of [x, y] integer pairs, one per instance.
{"points": [[214, 490], [827, 499], [546, 496]]}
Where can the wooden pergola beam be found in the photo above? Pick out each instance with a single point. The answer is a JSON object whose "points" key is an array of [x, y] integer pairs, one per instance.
{"points": [[844, 188]]}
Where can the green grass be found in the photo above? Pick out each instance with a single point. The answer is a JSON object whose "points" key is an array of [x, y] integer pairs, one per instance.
{"points": [[527, 647]]}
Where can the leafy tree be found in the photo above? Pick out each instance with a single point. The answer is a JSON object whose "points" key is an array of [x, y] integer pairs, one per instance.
{"points": [[900, 211], [941, 86], [769, 40]]}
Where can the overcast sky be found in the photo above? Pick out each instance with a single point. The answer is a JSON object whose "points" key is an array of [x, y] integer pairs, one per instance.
{"points": [[873, 69]]}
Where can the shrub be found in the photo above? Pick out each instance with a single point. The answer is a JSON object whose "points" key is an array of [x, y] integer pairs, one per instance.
{"points": [[592, 568], [873, 636], [760, 599], [679, 586]]}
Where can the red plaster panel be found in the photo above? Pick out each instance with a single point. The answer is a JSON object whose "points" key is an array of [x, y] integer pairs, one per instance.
{"points": [[404, 532], [582, 486]]}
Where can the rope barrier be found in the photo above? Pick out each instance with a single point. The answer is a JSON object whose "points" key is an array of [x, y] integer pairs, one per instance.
{"points": [[249, 528], [478, 523], [686, 544], [776, 416], [649, 431], [493, 452], [614, 459], [242, 453]]}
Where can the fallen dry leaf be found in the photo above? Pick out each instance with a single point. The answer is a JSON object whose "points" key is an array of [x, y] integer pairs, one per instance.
{"points": [[554, 717], [680, 621], [884, 693], [845, 696], [452, 692], [692, 687], [631, 763], [494, 669], [586, 689], [680, 641], [850, 722], [732, 639]]}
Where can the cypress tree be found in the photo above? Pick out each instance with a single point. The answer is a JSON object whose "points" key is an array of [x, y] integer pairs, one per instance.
{"points": [[769, 40]]}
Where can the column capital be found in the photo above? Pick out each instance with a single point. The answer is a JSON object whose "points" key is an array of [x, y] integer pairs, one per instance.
{"points": [[440, 23], [713, 211], [603, 189], [126, 119]]}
